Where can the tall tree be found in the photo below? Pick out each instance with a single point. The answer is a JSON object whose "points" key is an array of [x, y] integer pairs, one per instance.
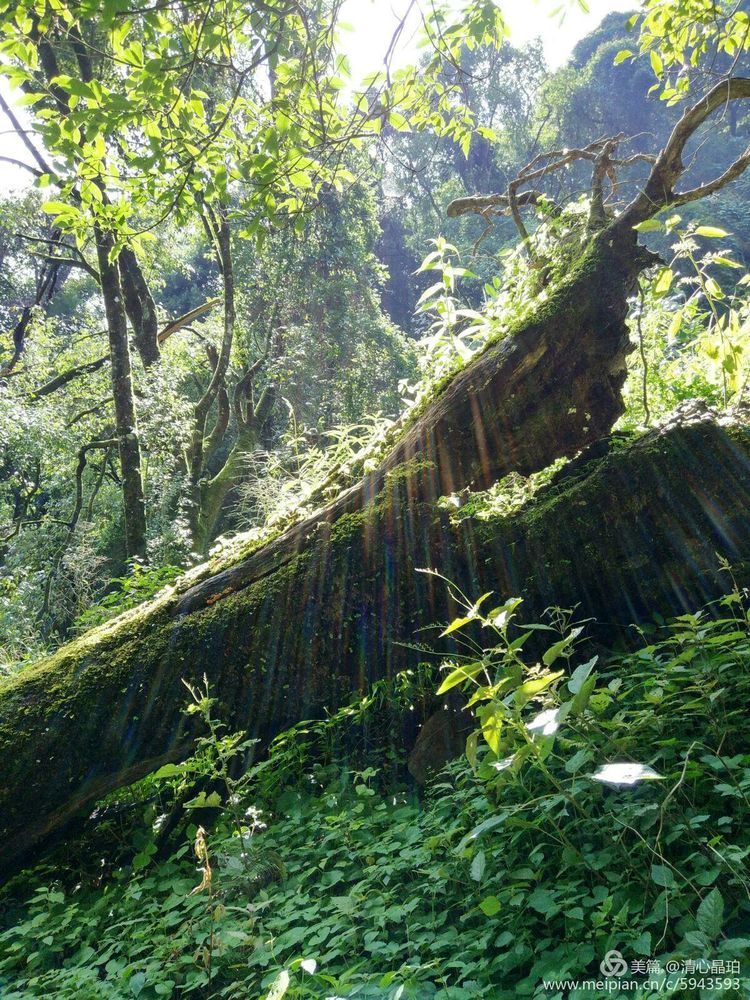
{"points": [[152, 113]]}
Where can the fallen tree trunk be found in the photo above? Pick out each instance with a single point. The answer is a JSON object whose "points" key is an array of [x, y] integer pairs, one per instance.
{"points": [[295, 626], [299, 624]]}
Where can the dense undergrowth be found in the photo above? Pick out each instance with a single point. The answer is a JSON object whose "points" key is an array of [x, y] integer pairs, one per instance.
{"points": [[323, 875]]}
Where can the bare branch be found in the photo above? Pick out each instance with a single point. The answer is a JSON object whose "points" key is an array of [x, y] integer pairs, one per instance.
{"points": [[659, 190], [88, 411], [598, 152], [497, 204], [22, 165], [68, 262], [22, 134], [704, 190]]}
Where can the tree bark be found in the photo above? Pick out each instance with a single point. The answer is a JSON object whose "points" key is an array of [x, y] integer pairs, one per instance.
{"points": [[140, 307], [214, 492], [122, 387], [284, 631], [199, 450]]}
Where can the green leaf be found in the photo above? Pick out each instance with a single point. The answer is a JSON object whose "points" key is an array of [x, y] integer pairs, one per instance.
{"points": [[203, 801], [397, 121], [483, 598], [344, 904], [430, 292], [471, 748], [736, 946], [480, 829], [657, 64], [461, 673], [478, 866], [711, 232], [663, 281], [649, 226], [726, 262], [492, 726], [663, 876], [301, 179], [676, 325], [490, 906], [279, 986], [578, 761], [554, 651], [501, 616], [642, 945], [562, 647], [580, 674], [710, 917], [136, 983], [622, 55], [581, 700], [456, 624], [57, 208], [544, 902], [519, 642], [172, 771], [534, 687]]}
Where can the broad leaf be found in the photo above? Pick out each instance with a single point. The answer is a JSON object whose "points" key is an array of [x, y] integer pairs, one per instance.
{"points": [[710, 917], [464, 672]]}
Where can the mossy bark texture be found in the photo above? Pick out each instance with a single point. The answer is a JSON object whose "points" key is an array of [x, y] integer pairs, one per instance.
{"points": [[333, 604]]}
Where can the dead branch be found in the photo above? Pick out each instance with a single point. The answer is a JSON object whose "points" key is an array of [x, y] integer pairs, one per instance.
{"points": [[659, 191], [497, 204], [187, 319], [601, 153]]}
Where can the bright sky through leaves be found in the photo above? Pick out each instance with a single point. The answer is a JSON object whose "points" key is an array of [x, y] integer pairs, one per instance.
{"points": [[373, 23]]}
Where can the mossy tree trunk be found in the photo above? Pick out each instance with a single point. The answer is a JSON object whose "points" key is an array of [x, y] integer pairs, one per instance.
{"points": [[320, 612], [297, 625], [140, 307], [250, 418], [631, 533]]}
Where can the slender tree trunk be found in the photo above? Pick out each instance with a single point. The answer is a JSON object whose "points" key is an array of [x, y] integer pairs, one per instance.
{"points": [[251, 418], [215, 491], [199, 451], [122, 387], [140, 307]]}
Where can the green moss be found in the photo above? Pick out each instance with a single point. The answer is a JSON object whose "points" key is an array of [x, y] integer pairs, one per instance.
{"points": [[409, 469], [637, 528]]}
